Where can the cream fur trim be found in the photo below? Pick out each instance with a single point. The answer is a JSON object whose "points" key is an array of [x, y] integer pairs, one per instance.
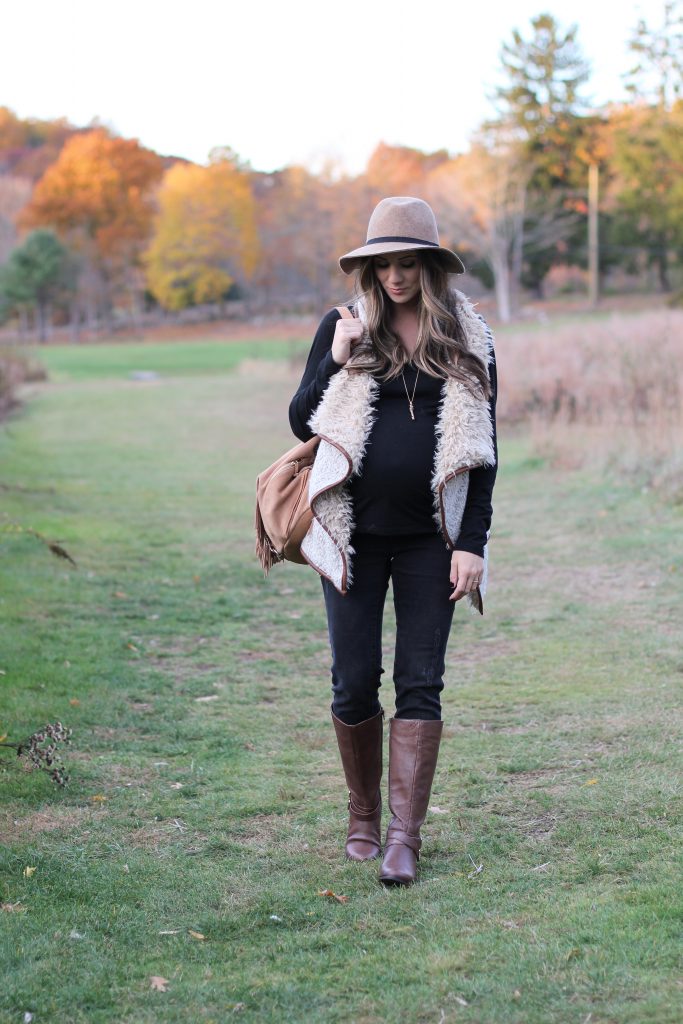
{"points": [[344, 420]]}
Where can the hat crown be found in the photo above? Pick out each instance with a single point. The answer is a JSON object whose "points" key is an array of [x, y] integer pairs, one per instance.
{"points": [[401, 217], [401, 224]]}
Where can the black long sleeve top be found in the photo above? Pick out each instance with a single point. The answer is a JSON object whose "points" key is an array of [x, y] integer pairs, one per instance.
{"points": [[392, 495]]}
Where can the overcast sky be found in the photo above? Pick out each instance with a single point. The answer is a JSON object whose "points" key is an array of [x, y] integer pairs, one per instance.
{"points": [[281, 83]]}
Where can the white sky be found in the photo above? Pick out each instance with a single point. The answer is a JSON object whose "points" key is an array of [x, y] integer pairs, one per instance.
{"points": [[299, 81]]}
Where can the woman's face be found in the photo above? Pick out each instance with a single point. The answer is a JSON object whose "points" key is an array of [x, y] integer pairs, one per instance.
{"points": [[399, 275]]}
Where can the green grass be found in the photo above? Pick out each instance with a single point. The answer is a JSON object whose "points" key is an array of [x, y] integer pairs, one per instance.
{"points": [[165, 358], [559, 770]]}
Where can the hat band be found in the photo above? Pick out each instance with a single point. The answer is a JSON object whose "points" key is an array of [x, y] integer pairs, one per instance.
{"points": [[400, 238]]}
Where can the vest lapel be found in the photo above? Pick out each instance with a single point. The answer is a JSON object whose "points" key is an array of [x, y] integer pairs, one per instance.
{"points": [[344, 419]]}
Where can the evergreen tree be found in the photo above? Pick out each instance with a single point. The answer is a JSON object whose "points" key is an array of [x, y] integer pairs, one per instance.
{"points": [[541, 109], [542, 100], [37, 273], [657, 78]]}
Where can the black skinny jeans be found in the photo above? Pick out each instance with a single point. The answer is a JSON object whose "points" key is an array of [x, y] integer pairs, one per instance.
{"points": [[419, 567]]}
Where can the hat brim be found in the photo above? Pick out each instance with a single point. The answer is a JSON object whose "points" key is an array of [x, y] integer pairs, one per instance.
{"points": [[351, 260]]}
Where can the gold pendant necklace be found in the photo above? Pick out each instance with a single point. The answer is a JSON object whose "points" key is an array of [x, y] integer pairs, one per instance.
{"points": [[410, 400]]}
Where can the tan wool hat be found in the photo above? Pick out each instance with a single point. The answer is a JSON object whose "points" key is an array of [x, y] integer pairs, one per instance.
{"points": [[399, 223]]}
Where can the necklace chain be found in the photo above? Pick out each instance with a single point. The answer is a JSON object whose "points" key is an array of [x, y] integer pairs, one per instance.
{"points": [[408, 396]]}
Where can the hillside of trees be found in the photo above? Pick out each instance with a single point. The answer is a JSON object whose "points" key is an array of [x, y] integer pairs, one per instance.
{"points": [[96, 231]]}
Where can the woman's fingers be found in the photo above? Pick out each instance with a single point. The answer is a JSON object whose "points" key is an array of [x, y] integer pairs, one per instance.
{"points": [[464, 585], [347, 334], [466, 573]]}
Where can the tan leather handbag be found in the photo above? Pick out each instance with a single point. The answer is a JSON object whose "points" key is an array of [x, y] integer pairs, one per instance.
{"points": [[283, 514]]}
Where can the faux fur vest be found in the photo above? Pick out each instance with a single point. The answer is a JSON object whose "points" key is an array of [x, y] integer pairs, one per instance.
{"points": [[344, 419]]}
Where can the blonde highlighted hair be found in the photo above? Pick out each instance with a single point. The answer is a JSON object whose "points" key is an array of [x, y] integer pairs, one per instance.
{"points": [[441, 349]]}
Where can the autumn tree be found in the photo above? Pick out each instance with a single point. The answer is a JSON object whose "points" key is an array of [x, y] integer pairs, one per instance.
{"points": [[28, 145], [481, 201], [646, 140], [205, 237], [647, 186], [401, 170], [15, 194], [99, 198]]}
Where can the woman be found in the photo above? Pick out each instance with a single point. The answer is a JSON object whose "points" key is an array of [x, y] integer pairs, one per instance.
{"points": [[402, 391]]}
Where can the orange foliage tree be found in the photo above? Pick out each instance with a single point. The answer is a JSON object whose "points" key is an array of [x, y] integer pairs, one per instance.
{"points": [[28, 146], [295, 218], [99, 197], [205, 236], [401, 170]]}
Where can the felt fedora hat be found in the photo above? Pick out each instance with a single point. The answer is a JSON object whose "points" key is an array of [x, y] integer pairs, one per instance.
{"points": [[397, 224]]}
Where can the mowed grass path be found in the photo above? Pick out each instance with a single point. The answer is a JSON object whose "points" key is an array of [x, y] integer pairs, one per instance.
{"points": [[559, 775]]}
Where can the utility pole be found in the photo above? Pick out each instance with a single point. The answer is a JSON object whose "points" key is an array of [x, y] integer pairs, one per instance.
{"points": [[593, 249]]}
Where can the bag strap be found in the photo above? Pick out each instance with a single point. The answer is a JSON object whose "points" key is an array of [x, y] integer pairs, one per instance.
{"points": [[344, 312]]}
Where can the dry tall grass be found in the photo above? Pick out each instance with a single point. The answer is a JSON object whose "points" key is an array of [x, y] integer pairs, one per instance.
{"points": [[15, 370], [608, 392]]}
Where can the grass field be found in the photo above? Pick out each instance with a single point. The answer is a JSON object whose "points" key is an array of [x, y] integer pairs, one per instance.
{"points": [[206, 807]]}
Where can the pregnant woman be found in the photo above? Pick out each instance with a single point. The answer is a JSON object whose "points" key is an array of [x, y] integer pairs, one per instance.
{"points": [[401, 389]]}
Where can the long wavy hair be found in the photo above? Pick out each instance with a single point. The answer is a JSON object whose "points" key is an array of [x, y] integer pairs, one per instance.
{"points": [[441, 349]]}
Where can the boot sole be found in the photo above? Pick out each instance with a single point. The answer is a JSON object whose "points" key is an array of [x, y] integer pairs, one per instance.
{"points": [[393, 883]]}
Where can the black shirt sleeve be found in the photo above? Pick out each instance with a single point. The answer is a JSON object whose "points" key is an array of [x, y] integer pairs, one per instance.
{"points": [[476, 519], [320, 368]]}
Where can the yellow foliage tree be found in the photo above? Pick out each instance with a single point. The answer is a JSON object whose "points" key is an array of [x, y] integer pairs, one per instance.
{"points": [[205, 236]]}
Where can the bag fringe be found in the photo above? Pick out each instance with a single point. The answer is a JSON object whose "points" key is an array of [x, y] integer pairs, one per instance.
{"points": [[265, 552]]}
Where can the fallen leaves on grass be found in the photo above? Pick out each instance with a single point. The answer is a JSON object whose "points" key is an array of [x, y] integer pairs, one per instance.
{"points": [[40, 750], [13, 908], [438, 810], [591, 782], [27, 872], [74, 702], [205, 700], [333, 896], [98, 798], [54, 546], [158, 984], [196, 935]]}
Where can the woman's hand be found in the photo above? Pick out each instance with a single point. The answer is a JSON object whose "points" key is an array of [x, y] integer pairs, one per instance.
{"points": [[347, 335], [466, 573]]}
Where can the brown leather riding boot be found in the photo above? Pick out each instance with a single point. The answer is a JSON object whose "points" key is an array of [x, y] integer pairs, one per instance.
{"points": [[360, 747], [413, 752]]}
